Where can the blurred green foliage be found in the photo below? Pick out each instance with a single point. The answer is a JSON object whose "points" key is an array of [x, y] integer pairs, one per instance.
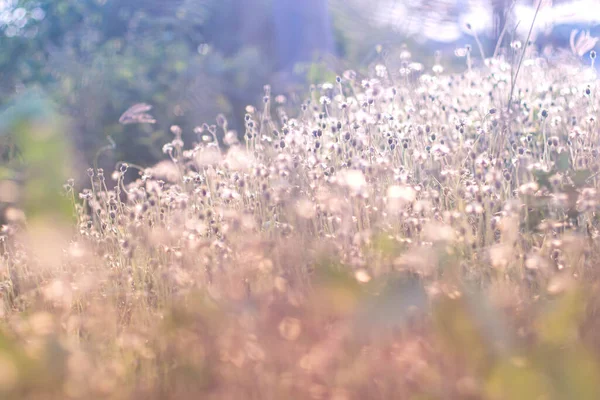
{"points": [[44, 164], [189, 59], [96, 58]]}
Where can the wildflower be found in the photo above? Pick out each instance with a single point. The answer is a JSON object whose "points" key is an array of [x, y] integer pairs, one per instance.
{"points": [[529, 189]]}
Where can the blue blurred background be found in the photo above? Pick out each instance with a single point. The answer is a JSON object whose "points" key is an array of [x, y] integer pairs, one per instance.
{"points": [[194, 59]]}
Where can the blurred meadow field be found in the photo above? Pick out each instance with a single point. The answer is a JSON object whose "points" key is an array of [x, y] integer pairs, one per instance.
{"points": [[306, 200]]}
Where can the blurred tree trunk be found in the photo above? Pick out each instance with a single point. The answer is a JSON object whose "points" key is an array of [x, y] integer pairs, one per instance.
{"points": [[302, 30], [499, 17]]}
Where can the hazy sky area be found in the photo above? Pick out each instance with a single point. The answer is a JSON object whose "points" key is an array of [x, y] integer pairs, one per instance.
{"points": [[439, 27]]}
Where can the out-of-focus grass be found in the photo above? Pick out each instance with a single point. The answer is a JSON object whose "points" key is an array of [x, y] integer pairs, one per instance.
{"points": [[414, 241]]}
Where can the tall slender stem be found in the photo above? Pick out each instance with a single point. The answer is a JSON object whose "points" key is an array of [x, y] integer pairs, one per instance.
{"points": [[514, 82]]}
